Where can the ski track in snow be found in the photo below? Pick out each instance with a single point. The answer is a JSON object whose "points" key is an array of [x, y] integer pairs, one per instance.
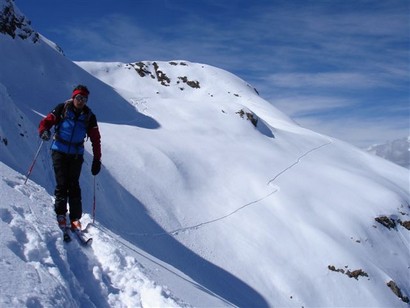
{"points": [[299, 160], [82, 274], [132, 250], [202, 224], [81, 277], [40, 246]]}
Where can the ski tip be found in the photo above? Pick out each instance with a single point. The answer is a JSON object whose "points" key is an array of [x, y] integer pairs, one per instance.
{"points": [[88, 242], [89, 225], [67, 238]]}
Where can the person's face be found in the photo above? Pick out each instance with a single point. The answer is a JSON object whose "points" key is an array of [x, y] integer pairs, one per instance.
{"points": [[80, 101]]}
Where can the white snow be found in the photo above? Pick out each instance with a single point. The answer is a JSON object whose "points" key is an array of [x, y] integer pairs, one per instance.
{"points": [[195, 206]]}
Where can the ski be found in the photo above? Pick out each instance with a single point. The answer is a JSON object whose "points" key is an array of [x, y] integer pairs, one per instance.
{"points": [[66, 235], [87, 228], [84, 240]]}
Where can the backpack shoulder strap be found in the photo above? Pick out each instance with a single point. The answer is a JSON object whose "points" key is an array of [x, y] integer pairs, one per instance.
{"points": [[89, 113], [61, 109], [60, 112]]}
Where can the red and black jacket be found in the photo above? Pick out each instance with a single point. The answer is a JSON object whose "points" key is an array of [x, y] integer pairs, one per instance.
{"points": [[72, 126]]}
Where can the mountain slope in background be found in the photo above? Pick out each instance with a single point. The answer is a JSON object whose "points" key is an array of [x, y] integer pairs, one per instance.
{"points": [[226, 197], [397, 151]]}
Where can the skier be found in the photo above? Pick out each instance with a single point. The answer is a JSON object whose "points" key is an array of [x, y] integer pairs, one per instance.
{"points": [[73, 121]]}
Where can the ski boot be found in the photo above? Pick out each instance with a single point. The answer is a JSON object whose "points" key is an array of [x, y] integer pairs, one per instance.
{"points": [[75, 225], [62, 222]]}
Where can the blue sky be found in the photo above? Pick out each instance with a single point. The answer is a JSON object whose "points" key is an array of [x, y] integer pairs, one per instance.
{"points": [[339, 67]]}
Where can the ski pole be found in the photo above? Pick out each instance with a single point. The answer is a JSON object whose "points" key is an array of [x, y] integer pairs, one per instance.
{"points": [[34, 161], [94, 202]]}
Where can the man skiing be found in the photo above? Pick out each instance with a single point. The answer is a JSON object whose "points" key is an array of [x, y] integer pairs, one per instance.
{"points": [[73, 121]]}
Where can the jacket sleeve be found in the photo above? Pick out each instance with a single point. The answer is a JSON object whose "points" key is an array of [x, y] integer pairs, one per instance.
{"points": [[95, 137], [51, 119]]}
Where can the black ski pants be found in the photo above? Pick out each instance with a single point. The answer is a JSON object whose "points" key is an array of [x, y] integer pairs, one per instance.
{"points": [[67, 170]]}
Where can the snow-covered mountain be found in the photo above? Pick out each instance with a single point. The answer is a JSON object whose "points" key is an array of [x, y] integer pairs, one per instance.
{"points": [[397, 151], [209, 196]]}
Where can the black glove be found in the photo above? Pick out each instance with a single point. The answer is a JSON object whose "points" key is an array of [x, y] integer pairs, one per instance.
{"points": [[96, 167], [45, 135]]}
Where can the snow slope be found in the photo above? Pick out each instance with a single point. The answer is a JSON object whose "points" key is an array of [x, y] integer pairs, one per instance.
{"points": [[40, 270], [209, 196]]}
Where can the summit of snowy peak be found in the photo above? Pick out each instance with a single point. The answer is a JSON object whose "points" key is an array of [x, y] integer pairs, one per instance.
{"points": [[185, 82], [13, 23], [180, 75]]}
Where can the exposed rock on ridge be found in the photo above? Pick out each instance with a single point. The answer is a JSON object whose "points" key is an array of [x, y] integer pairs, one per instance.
{"points": [[14, 24]]}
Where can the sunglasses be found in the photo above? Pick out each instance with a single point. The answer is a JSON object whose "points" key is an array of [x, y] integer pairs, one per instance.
{"points": [[81, 98]]}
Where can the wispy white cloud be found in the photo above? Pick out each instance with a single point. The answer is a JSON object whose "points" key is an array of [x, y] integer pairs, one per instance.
{"points": [[359, 131], [325, 80], [300, 105]]}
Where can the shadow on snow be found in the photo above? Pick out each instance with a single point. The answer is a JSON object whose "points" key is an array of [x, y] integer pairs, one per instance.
{"points": [[120, 208]]}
